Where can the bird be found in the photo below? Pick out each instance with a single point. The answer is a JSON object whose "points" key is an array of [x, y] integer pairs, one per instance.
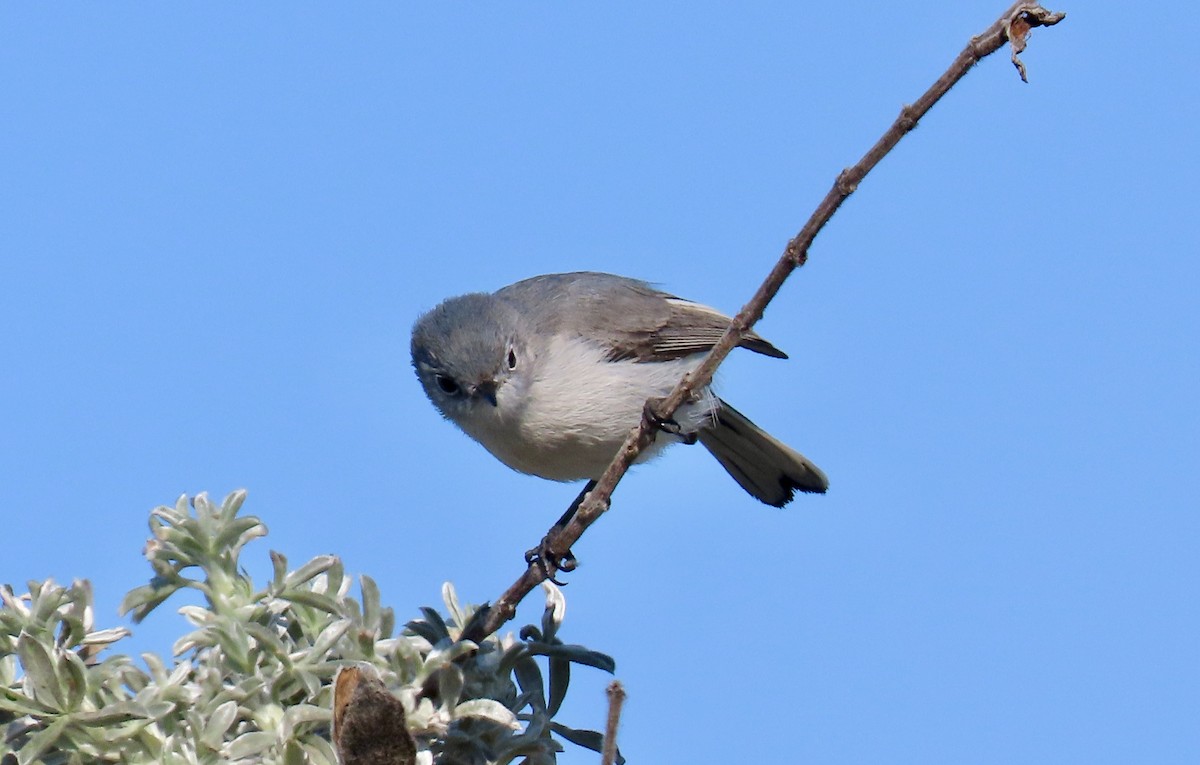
{"points": [[551, 373]]}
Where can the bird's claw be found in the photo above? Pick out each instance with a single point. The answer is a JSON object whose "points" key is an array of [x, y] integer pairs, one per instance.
{"points": [[667, 425], [549, 562]]}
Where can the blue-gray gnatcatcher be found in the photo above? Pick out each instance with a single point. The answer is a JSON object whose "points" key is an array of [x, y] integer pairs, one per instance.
{"points": [[551, 373]]}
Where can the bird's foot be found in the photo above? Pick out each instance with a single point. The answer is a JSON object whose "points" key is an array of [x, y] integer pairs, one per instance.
{"points": [[550, 562], [667, 425]]}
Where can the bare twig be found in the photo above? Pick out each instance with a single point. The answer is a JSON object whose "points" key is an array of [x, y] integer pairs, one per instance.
{"points": [[1014, 25], [616, 699]]}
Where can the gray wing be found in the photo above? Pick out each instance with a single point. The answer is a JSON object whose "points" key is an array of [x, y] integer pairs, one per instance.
{"points": [[631, 318]]}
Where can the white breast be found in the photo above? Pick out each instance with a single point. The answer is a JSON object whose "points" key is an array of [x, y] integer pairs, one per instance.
{"points": [[576, 408]]}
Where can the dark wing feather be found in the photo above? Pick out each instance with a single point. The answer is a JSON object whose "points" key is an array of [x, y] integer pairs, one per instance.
{"points": [[695, 328]]}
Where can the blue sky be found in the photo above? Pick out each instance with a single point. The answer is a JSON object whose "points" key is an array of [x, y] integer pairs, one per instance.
{"points": [[219, 221]]}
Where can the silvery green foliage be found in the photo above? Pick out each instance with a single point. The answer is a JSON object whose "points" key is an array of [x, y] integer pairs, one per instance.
{"points": [[250, 684]]}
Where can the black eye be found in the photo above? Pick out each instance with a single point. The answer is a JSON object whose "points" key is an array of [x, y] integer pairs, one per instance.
{"points": [[446, 383], [512, 359]]}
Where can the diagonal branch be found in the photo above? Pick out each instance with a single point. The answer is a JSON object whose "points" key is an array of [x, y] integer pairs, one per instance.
{"points": [[1013, 26]]}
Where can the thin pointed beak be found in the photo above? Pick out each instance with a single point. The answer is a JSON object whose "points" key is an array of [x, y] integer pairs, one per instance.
{"points": [[487, 389]]}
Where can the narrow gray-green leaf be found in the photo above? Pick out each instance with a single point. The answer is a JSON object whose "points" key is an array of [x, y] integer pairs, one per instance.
{"points": [[426, 630], [249, 744], [235, 529], [269, 641], [488, 709], [246, 537], [435, 620], [12, 700], [279, 570], [511, 655], [40, 674], [529, 677], [560, 678], [142, 600], [235, 643], [588, 739], [575, 653], [232, 503], [41, 742], [334, 577], [302, 715], [450, 685], [293, 754], [308, 571], [317, 600], [319, 751], [370, 602], [201, 638], [387, 623], [329, 637], [49, 596], [218, 722], [119, 712], [74, 679], [158, 669], [106, 637], [450, 598]]}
